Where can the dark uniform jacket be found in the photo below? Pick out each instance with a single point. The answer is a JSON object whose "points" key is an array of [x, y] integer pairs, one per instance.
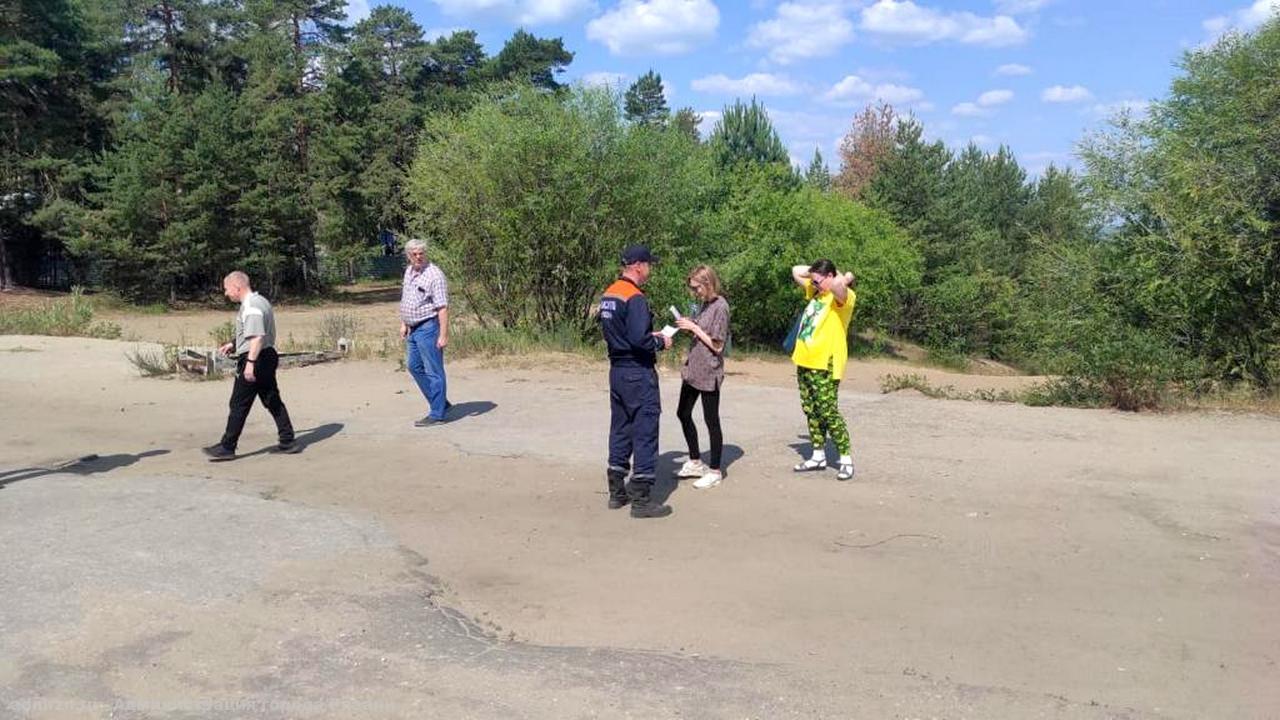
{"points": [[627, 324]]}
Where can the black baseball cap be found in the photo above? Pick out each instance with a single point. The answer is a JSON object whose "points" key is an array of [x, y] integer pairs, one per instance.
{"points": [[637, 253]]}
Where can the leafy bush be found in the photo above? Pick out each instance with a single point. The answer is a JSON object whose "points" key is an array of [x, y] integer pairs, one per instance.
{"points": [[70, 316], [223, 334], [335, 326], [530, 198], [911, 381], [151, 362], [1069, 391], [762, 229], [969, 314]]}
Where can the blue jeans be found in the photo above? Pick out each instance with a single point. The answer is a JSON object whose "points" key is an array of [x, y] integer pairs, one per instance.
{"points": [[426, 365]]}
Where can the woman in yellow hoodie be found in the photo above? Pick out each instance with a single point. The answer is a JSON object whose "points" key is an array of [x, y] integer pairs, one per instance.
{"points": [[820, 355]]}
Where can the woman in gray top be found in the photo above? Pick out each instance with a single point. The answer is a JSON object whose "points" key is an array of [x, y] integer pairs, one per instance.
{"points": [[703, 373]]}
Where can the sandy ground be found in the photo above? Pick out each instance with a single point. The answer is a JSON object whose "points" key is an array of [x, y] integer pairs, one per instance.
{"points": [[987, 561]]}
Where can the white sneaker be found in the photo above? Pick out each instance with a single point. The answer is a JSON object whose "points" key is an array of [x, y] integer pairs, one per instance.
{"points": [[692, 469], [710, 480]]}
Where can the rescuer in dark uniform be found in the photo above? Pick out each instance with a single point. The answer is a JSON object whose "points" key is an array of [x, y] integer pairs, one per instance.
{"points": [[634, 402]]}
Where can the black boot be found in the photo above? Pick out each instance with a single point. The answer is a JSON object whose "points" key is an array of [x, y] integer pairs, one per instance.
{"points": [[643, 505], [617, 489]]}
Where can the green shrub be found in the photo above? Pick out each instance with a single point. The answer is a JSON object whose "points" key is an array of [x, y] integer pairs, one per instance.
{"points": [[334, 326], [763, 229], [223, 334], [530, 197], [911, 381], [151, 362], [69, 316], [475, 341], [969, 315], [1069, 391]]}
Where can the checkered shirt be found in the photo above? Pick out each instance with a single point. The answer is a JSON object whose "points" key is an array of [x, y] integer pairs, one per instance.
{"points": [[423, 294]]}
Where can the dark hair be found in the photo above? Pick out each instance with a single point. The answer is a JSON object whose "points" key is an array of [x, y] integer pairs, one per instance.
{"points": [[824, 266]]}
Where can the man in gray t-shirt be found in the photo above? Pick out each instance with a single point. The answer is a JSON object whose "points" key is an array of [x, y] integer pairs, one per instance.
{"points": [[256, 362]]}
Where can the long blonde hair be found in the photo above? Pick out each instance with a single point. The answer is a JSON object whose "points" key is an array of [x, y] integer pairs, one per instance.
{"points": [[706, 276]]}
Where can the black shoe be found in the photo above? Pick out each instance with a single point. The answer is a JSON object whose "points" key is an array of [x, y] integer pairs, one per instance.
{"points": [[617, 489], [649, 509], [427, 421], [218, 453], [293, 447]]}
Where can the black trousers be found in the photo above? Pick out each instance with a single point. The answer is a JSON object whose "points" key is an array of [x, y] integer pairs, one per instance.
{"points": [[710, 413], [263, 386]]}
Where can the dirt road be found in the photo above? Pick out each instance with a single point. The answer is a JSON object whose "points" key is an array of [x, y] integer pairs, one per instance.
{"points": [[988, 560]]}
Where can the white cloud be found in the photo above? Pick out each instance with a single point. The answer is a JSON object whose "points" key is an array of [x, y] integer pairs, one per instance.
{"points": [[1013, 69], [1037, 162], [1062, 94], [1020, 7], [800, 31], [886, 74], [436, 33], [605, 79], [760, 84], [992, 98], [520, 12], [853, 90], [982, 106], [709, 120], [662, 27], [357, 10], [982, 140], [905, 21], [1134, 108], [802, 131], [1242, 20]]}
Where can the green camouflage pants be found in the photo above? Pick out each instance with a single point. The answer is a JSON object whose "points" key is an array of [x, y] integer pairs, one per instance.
{"points": [[819, 399]]}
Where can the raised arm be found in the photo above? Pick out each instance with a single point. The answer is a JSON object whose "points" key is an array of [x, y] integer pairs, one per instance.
{"points": [[800, 273], [839, 286]]}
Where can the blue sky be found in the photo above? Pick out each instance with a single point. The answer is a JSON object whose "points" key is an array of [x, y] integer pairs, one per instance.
{"points": [[1032, 74]]}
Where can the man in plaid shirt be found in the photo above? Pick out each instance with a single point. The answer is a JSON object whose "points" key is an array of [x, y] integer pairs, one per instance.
{"points": [[424, 326]]}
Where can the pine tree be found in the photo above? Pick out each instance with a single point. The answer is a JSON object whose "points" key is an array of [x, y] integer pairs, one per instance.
{"points": [[817, 175], [687, 120], [910, 184], [527, 58], [289, 54], [391, 44], [745, 135], [50, 75], [645, 103]]}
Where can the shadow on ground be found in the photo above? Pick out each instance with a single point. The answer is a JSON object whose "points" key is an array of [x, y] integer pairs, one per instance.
{"points": [[669, 462], [87, 465], [471, 408], [304, 438]]}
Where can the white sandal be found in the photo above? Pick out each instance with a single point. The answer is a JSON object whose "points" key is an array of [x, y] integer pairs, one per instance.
{"points": [[810, 465], [846, 472]]}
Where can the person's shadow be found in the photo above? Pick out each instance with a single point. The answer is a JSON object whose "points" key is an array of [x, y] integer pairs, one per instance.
{"points": [[473, 408], [669, 463], [304, 438], [87, 465]]}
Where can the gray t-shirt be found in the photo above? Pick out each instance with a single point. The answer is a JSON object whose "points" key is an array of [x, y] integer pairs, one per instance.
{"points": [[704, 369], [254, 319]]}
